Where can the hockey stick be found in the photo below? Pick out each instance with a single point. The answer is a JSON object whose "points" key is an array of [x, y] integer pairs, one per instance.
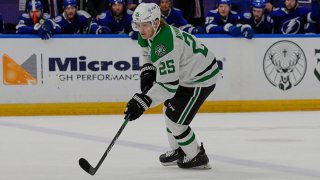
{"points": [[85, 165], [34, 11]]}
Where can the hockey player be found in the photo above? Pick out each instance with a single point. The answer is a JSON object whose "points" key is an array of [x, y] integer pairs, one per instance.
{"points": [[38, 23], [260, 21], [1, 25], [224, 21], [116, 20], [74, 21], [175, 18], [178, 70], [293, 19], [240, 6]]}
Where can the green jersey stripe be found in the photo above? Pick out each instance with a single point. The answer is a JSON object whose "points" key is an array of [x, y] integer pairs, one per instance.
{"points": [[168, 130], [189, 105], [167, 88], [188, 141], [215, 72]]}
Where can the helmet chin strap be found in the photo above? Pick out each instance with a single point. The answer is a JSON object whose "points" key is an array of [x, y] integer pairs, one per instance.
{"points": [[156, 30]]}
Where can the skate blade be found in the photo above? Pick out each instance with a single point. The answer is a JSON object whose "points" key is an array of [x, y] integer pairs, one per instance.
{"points": [[206, 166], [173, 163]]}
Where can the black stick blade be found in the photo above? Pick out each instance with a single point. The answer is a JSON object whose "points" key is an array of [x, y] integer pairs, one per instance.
{"points": [[84, 164]]}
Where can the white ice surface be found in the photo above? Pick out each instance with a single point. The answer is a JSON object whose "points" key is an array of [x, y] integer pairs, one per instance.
{"points": [[241, 146]]}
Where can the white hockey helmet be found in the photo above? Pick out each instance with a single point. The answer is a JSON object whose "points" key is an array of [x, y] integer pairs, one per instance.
{"points": [[146, 12]]}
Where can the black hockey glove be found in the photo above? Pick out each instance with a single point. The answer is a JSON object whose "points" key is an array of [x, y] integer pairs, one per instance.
{"points": [[44, 29], [136, 106], [147, 77], [104, 30], [198, 30], [48, 25], [248, 32]]}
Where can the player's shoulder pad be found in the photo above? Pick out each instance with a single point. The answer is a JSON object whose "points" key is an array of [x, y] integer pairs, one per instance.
{"points": [[277, 12], [25, 16], [46, 16], [234, 12], [176, 9], [162, 44], [247, 15], [129, 12], [128, 17], [283, 10], [58, 19], [83, 13], [177, 12], [303, 9], [102, 15], [276, 9], [215, 11]]}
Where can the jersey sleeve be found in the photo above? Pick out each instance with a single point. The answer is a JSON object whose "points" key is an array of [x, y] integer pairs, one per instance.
{"points": [[102, 20], [314, 13], [22, 27], [93, 26], [59, 24]]}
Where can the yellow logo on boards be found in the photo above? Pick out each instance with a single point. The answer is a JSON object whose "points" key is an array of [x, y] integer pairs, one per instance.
{"points": [[15, 74]]}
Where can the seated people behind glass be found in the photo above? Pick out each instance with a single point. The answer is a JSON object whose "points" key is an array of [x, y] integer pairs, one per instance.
{"points": [[34, 21], [74, 21], [175, 18], [258, 18], [116, 20], [224, 21], [294, 19]]}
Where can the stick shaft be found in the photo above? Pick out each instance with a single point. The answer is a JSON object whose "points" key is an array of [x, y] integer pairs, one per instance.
{"points": [[112, 143], [34, 11]]}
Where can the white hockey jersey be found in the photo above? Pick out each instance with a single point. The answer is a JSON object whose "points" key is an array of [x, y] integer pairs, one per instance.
{"points": [[180, 59]]}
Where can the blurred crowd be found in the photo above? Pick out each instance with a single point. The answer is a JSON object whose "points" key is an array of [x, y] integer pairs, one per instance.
{"points": [[243, 18]]}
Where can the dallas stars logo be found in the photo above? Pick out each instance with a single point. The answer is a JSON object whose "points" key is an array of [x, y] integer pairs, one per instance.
{"points": [[137, 14], [160, 50]]}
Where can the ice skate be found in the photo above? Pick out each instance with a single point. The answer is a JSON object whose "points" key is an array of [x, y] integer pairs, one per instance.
{"points": [[170, 158], [201, 161]]}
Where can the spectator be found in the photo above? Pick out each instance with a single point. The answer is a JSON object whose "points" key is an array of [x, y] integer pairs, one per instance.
{"points": [[260, 22], [175, 18], [1, 25], [74, 21], [81, 4], [116, 20], [45, 6], [292, 19], [241, 6], [224, 21], [35, 22], [192, 10], [97, 7], [55, 7]]}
